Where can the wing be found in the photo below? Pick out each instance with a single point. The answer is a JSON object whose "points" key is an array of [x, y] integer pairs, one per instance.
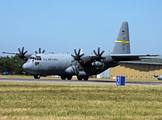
{"points": [[22, 54], [128, 57], [10, 53]]}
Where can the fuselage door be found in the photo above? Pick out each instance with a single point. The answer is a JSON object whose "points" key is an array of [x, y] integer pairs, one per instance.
{"points": [[37, 63]]}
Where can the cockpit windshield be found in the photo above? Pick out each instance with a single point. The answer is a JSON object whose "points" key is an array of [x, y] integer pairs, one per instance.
{"points": [[32, 58], [35, 58]]}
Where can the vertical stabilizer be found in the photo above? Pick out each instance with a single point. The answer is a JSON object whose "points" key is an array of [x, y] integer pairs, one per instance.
{"points": [[122, 45]]}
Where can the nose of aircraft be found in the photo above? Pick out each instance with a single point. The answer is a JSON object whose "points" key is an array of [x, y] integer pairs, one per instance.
{"points": [[27, 67], [24, 66]]}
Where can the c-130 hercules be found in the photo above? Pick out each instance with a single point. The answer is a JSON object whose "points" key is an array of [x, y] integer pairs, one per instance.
{"points": [[79, 64]]}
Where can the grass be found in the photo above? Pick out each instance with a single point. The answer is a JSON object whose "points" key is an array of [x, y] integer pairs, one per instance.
{"points": [[77, 101]]}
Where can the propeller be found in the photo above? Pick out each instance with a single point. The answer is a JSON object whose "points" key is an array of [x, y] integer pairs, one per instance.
{"points": [[21, 53], [77, 56], [39, 51], [98, 56]]}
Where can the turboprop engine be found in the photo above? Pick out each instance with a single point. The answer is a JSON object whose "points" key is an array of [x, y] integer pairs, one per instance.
{"points": [[97, 64], [73, 70]]}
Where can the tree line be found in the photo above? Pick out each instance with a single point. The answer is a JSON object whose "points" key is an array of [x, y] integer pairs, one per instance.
{"points": [[12, 64]]}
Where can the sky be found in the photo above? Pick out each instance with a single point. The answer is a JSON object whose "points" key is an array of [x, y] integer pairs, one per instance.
{"points": [[59, 26]]}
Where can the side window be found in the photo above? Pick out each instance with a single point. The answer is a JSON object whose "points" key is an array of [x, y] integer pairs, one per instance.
{"points": [[38, 58], [36, 63]]}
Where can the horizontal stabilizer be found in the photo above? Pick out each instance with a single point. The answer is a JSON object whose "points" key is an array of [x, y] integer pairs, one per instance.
{"points": [[155, 75], [128, 57]]}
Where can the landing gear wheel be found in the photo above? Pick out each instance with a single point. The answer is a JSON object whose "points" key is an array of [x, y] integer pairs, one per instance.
{"points": [[86, 78], [69, 77], [63, 77], [79, 78], [37, 76]]}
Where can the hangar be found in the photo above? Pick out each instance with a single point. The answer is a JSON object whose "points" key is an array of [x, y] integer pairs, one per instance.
{"points": [[141, 69]]}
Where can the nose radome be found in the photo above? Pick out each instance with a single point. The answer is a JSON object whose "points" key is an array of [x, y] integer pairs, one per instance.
{"points": [[27, 66], [24, 66]]}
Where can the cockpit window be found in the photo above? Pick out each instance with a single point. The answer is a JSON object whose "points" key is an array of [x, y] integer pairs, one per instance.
{"points": [[32, 58], [38, 58]]}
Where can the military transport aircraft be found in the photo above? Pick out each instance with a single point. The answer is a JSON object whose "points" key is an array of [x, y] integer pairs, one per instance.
{"points": [[79, 64]]}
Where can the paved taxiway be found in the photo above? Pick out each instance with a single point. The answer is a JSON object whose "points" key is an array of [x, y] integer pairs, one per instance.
{"points": [[74, 81]]}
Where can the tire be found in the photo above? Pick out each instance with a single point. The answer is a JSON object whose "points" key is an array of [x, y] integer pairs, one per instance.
{"points": [[63, 77], [79, 78], [37, 76], [86, 78], [69, 77]]}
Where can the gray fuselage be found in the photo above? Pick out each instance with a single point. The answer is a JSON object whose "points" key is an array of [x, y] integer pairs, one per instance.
{"points": [[61, 64]]}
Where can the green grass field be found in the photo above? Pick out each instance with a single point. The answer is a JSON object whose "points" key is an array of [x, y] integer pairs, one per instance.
{"points": [[79, 101]]}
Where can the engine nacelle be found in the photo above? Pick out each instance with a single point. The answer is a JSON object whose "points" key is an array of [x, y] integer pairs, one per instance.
{"points": [[97, 64], [71, 70], [107, 59], [82, 73]]}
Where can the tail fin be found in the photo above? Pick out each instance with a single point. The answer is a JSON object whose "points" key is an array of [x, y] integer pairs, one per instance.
{"points": [[122, 45]]}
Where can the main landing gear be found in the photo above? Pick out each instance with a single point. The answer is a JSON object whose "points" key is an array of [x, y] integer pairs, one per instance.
{"points": [[78, 77], [85, 78], [69, 77], [37, 76]]}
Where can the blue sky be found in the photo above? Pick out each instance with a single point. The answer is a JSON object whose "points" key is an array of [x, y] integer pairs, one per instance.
{"points": [[59, 26]]}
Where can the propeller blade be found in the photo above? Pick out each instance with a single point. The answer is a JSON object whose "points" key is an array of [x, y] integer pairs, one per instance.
{"points": [[75, 52], [79, 52], [72, 55], [95, 52], [19, 50], [98, 56], [102, 52], [72, 60], [39, 50], [77, 56], [25, 52], [81, 55], [36, 52], [21, 53], [43, 51], [98, 50], [22, 49]]}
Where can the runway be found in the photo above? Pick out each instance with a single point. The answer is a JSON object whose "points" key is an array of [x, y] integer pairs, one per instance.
{"points": [[74, 81]]}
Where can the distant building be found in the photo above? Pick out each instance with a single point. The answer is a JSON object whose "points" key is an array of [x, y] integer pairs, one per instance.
{"points": [[141, 69]]}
